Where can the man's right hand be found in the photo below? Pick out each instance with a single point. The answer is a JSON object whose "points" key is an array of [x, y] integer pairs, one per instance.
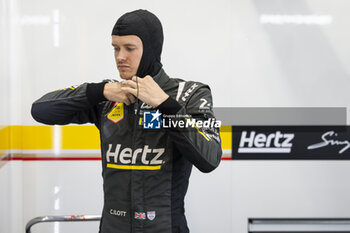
{"points": [[113, 92]]}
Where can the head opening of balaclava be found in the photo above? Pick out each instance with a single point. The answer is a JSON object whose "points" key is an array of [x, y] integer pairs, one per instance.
{"points": [[148, 28]]}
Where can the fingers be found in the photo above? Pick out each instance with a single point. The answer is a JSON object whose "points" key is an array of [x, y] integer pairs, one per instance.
{"points": [[126, 101], [131, 98], [138, 79], [129, 83], [129, 90], [135, 78], [128, 87], [145, 89], [121, 92], [147, 77]]}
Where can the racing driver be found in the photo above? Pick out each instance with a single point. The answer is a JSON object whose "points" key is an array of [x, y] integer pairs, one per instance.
{"points": [[145, 171]]}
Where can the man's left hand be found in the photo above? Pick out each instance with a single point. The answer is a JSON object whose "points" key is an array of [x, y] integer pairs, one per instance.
{"points": [[149, 91]]}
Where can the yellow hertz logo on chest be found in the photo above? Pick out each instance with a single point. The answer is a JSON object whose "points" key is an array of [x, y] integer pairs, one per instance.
{"points": [[117, 113], [127, 158]]}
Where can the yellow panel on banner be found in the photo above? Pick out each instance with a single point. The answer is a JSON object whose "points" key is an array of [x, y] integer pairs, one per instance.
{"points": [[80, 137]]}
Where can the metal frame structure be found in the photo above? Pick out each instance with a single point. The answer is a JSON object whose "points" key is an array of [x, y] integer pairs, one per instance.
{"points": [[62, 218]]}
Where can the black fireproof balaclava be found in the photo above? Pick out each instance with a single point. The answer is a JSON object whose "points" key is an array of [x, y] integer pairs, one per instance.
{"points": [[148, 28]]}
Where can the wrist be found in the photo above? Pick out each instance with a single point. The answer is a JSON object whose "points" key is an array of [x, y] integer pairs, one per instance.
{"points": [[169, 106], [106, 90], [162, 99]]}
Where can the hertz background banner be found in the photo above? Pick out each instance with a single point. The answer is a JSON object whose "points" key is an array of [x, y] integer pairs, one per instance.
{"points": [[291, 142]]}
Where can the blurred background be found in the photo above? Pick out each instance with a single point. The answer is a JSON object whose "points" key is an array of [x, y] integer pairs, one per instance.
{"points": [[252, 53]]}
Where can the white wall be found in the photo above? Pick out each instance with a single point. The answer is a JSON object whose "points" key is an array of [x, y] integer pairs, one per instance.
{"points": [[48, 45], [222, 43], [5, 194]]}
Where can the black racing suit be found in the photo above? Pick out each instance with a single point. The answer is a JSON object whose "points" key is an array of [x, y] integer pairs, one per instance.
{"points": [[145, 171]]}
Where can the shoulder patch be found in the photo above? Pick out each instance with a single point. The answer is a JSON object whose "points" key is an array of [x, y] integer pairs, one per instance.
{"points": [[117, 112]]}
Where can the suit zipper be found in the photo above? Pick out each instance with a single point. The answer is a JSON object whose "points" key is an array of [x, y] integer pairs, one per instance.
{"points": [[136, 111]]}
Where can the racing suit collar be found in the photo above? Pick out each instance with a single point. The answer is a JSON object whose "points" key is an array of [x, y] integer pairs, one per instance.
{"points": [[161, 78]]}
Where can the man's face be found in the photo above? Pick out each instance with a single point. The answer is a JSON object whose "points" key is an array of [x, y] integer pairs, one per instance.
{"points": [[127, 52]]}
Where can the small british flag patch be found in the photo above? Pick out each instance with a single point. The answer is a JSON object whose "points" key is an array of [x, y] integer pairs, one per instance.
{"points": [[140, 215]]}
